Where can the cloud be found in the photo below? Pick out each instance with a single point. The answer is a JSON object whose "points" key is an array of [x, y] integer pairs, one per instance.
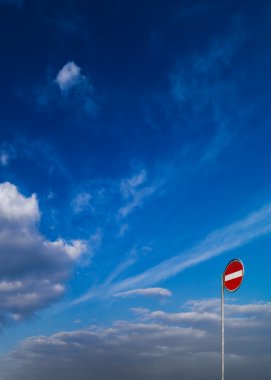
{"points": [[128, 187], [74, 250], [198, 86], [69, 76], [16, 208], [76, 88], [33, 269], [195, 80], [183, 317], [259, 308], [4, 158], [130, 260], [69, 89], [133, 191], [235, 235], [166, 346], [7, 153], [81, 202], [128, 349], [216, 243], [146, 292]]}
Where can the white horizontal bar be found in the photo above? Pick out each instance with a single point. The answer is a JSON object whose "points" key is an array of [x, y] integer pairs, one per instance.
{"points": [[233, 275]]}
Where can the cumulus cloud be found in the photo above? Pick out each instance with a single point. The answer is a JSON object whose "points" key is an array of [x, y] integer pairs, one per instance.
{"points": [[15, 207], [33, 270], [146, 292], [165, 347]]}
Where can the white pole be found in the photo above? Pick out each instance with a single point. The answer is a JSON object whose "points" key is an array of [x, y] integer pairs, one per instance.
{"points": [[222, 326]]}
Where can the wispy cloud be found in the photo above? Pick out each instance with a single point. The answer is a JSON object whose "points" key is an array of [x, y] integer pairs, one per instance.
{"points": [[81, 202], [134, 192], [218, 242], [200, 82], [4, 158], [122, 267], [146, 292], [7, 153]]}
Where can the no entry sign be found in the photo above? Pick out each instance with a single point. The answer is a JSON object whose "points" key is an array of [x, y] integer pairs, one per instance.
{"points": [[233, 275], [231, 279]]}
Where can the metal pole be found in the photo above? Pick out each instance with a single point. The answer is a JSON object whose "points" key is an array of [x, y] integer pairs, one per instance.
{"points": [[222, 327]]}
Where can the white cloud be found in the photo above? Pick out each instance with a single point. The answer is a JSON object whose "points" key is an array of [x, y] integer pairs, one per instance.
{"points": [[128, 186], [77, 321], [123, 229], [189, 317], [136, 201], [33, 270], [69, 76], [199, 81], [4, 158], [216, 243], [250, 309], [15, 207], [76, 89], [10, 285], [123, 266], [69, 89], [133, 191], [146, 292], [73, 250], [81, 202]]}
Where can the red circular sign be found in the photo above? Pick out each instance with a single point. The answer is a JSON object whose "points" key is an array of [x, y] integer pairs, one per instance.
{"points": [[233, 275]]}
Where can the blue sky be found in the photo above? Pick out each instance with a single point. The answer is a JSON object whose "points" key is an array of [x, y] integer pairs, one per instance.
{"points": [[134, 164]]}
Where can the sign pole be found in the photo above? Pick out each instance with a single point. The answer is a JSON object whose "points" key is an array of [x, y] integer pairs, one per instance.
{"points": [[231, 280], [222, 327]]}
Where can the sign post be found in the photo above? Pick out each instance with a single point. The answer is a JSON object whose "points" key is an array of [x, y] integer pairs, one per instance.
{"points": [[231, 279]]}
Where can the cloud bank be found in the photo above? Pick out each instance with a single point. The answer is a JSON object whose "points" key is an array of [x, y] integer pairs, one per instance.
{"points": [[159, 344]]}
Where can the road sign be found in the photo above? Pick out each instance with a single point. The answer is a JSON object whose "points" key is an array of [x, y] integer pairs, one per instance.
{"points": [[231, 279], [233, 275]]}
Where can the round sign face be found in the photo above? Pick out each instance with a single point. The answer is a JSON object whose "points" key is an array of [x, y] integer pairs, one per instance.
{"points": [[233, 275]]}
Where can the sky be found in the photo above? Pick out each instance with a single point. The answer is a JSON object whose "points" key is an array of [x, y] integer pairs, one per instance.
{"points": [[135, 164]]}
